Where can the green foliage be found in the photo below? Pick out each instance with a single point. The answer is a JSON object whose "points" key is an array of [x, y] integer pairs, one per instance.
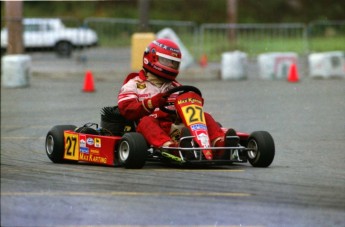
{"points": [[199, 11]]}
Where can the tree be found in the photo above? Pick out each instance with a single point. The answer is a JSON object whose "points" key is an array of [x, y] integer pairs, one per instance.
{"points": [[232, 17], [14, 13], [144, 6]]}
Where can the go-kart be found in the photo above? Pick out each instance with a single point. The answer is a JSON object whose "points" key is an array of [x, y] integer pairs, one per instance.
{"points": [[116, 142]]}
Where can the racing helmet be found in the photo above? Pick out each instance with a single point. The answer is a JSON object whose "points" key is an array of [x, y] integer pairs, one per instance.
{"points": [[162, 58]]}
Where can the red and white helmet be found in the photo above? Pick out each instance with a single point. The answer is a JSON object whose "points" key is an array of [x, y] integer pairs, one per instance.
{"points": [[162, 58]]}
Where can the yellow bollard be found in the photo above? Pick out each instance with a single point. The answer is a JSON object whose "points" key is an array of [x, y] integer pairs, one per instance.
{"points": [[139, 43]]}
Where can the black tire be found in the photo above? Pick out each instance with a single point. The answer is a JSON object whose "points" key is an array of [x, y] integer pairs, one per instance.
{"points": [[63, 49], [263, 151], [55, 143], [132, 150]]}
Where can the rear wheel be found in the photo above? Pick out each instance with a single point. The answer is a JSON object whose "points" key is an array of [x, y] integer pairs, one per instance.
{"points": [[263, 149], [55, 143], [132, 150]]}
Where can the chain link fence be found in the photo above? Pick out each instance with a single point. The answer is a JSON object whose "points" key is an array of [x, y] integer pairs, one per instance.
{"points": [[214, 39], [253, 39], [326, 36], [117, 32]]}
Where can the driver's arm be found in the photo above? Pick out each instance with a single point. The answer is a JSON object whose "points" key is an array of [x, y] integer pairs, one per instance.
{"points": [[132, 109]]}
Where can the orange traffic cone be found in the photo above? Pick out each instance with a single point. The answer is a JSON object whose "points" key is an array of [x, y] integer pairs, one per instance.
{"points": [[203, 60], [293, 74], [89, 85]]}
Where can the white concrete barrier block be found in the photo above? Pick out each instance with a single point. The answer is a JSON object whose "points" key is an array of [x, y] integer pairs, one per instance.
{"points": [[233, 65], [16, 70], [327, 64], [276, 65]]}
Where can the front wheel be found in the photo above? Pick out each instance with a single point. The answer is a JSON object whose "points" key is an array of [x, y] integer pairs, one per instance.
{"points": [[132, 150], [55, 142], [63, 49], [263, 149]]}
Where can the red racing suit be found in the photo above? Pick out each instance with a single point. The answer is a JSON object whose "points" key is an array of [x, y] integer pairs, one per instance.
{"points": [[153, 125]]}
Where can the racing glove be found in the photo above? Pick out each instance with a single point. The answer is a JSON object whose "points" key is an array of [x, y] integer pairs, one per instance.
{"points": [[156, 101]]}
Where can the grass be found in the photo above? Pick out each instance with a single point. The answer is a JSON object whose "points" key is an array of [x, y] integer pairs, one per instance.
{"points": [[253, 46], [321, 44]]}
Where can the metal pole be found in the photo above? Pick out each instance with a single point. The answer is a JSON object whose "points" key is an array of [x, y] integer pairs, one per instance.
{"points": [[144, 8]]}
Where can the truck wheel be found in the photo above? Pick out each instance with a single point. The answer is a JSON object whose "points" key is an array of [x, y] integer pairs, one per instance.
{"points": [[55, 143], [132, 150], [63, 49], [263, 151]]}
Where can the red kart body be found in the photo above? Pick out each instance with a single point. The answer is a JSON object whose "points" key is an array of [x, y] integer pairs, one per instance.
{"points": [[67, 143], [99, 149], [90, 148]]}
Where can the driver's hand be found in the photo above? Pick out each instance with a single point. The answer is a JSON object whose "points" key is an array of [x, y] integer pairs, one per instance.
{"points": [[158, 114], [156, 101]]}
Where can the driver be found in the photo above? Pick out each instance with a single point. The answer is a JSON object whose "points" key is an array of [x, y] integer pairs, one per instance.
{"points": [[144, 92]]}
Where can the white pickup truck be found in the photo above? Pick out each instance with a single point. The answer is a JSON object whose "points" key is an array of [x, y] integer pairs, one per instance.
{"points": [[42, 33]]}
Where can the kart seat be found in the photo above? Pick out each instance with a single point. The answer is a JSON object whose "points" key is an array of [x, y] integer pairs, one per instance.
{"points": [[114, 122]]}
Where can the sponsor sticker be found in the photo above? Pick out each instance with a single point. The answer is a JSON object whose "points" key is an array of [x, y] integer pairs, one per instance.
{"points": [[82, 140], [84, 150], [203, 138], [141, 85], [90, 141], [98, 142], [198, 127]]}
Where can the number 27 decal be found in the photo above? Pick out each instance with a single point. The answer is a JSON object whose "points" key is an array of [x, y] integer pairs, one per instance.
{"points": [[71, 146], [193, 114]]}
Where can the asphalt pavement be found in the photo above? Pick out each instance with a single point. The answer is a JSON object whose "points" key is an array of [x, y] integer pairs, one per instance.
{"points": [[304, 186]]}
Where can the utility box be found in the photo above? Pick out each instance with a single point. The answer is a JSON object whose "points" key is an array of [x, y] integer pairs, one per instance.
{"points": [[233, 65], [276, 65], [327, 64], [139, 43], [16, 70]]}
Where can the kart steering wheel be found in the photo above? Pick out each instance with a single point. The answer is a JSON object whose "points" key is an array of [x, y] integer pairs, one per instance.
{"points": [[181, 90]]}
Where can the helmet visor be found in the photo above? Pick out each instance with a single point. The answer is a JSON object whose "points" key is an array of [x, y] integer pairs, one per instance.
{"points": [[169, 61]]}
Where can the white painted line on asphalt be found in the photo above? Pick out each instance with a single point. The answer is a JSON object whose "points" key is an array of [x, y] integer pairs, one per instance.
{"points": [[26, 126], [215, 225], [197, 170], [121, 193], [22, 137]]}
